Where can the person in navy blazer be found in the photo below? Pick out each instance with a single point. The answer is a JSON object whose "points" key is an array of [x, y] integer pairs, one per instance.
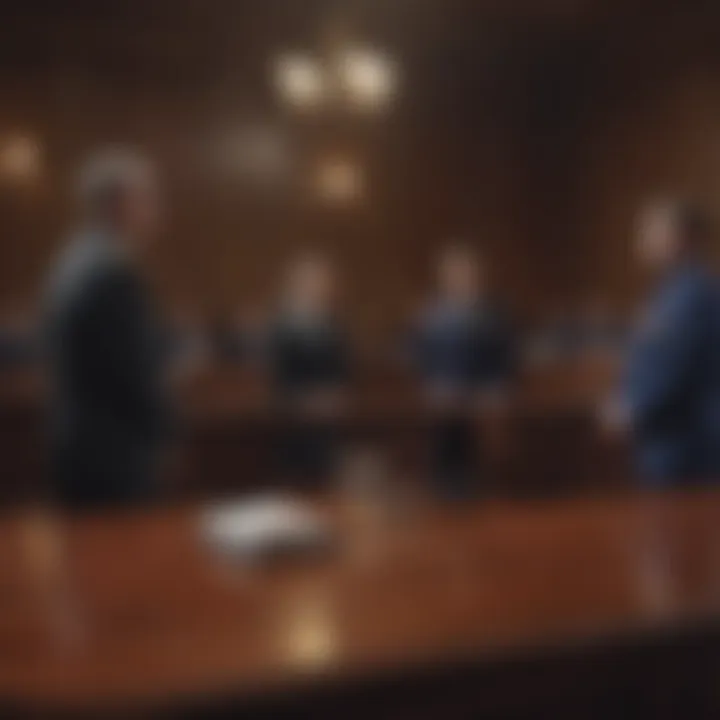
{"points": [[670, 397]]}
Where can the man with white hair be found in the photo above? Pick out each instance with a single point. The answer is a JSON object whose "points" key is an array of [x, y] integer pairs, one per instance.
{"points": [[108, 407]]}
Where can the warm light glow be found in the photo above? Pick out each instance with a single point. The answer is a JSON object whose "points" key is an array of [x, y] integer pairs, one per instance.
{"points": [[20, 159], [300, 81], [368, 79], [339, 181], [308, 630]]}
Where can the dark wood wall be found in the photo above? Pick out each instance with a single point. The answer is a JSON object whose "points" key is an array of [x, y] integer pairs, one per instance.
{"points": [[535, 128]]}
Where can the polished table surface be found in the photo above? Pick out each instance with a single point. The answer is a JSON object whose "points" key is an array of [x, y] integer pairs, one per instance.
{"points": [[127, 610]]}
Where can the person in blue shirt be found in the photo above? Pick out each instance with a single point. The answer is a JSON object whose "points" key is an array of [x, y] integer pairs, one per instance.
{"points": [[464, 351], [670, 399]]}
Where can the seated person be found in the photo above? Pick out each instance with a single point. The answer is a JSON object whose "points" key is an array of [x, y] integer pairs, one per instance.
{"points": [[308, 360], [464, 351]]}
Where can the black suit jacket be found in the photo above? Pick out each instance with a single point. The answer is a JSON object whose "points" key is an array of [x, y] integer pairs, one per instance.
{"points": [[109, 413], [307, 358]]}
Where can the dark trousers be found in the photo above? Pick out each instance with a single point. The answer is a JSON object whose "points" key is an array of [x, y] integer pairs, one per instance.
{"points": [[95, 473], [306, 453], [454, 460]]}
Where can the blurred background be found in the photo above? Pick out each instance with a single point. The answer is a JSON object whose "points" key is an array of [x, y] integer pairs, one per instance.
{"points": [[533, 128], [398, 266], [376, 132]]}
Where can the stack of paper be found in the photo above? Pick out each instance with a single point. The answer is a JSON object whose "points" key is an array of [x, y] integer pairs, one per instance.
{"points": [[266, 525]]}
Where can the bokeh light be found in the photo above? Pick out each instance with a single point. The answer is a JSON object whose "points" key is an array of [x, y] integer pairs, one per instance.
{"points": [[300, 81], [20, 159], [368, 78], [339, 181]]}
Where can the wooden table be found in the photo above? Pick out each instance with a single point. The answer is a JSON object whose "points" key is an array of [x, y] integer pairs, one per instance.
{"points": [[567, 609]]}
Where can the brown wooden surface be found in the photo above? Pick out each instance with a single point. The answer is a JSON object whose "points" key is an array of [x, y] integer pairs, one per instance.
{"points": [[134, 611]]}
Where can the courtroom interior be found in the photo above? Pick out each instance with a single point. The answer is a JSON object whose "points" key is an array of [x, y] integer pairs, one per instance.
{"points": [[360, 358]]}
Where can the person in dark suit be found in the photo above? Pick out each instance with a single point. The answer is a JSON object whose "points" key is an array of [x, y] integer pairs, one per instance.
{"points": [[670, 399], [104, 348], [309, 364], [465, 351]]}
